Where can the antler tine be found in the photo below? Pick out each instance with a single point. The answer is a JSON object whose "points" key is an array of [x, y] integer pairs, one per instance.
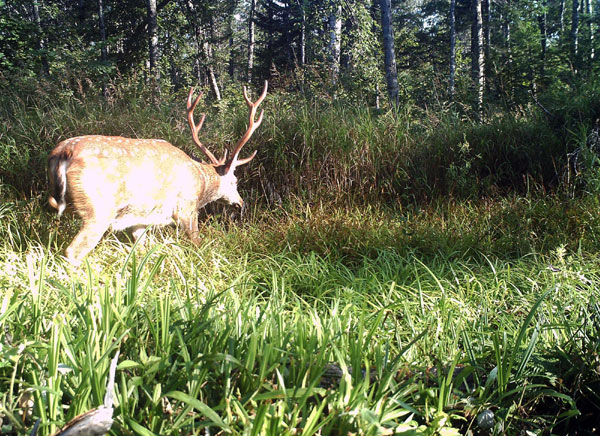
{"points": [[239, 162], [260, 99], [195, 129], [252, 126]]}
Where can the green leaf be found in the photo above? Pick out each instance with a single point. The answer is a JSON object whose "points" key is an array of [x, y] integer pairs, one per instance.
{"points": [[128, 364], [198, 405], [143, 431]]}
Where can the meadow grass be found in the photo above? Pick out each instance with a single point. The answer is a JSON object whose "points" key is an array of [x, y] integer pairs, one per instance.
{"points": [[362, 320], [310, 149], [400, 272]]}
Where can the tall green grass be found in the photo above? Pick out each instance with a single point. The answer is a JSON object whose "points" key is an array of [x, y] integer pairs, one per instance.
{"points": [[342, 151], [399, 272], [307, 322]]}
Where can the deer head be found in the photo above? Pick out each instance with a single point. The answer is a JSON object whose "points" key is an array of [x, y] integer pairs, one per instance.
{"points": [[133, 183], [226, 167]]}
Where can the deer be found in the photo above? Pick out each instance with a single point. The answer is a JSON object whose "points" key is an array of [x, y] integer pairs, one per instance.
{"points": [[124, 183]]}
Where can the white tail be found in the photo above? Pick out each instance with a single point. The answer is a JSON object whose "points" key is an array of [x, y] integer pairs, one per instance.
{"points": [[125, 183]]}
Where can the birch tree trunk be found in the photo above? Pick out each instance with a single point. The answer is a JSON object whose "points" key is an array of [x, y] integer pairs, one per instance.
{"points": [[508, 38], [485, 16], [302, 33], [452, 47], [574, 34], [45, 68], [214, 84], [590, 22], [103, 47], [153, 43], [562, 16], [391, 73], [81, 12], [477, 56], [231, 44], [335, 39], [251, 40], [203, 50]]}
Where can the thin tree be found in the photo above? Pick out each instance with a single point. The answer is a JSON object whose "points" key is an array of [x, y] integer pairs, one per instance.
{"points": [[335, 41], [508, 37], [103, 47], [203, 47], [81, 12], [543, 38], [391, 73], [478, 55], [302, 44], [589, 6], [452, 47], [154, 71], [207, 55], [41, 40], [251, 40], [574, 34], [231, 60], [487, 38]]}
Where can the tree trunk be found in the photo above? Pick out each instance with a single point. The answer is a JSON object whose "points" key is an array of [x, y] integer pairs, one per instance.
{"points": [[452, 47], [591, 30], [45, 68], [302, 33], [507, 35], [198, 70], [391, 73], [153, 43], [562, 16], [231, 61], [203, 49], [478, 55], [251, 41], [335, 39], [212, 78], [103, 47], [485, 15], [543, 39], [81, 12], [574, 34]]}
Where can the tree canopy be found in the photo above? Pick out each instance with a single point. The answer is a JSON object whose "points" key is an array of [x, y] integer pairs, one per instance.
{"points": [[476, 53]]}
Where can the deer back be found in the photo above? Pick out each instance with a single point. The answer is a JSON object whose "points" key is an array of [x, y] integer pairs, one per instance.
{"points": [[128, 181]]}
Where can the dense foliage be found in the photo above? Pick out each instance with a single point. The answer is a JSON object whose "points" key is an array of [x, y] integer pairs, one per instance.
{"points": [[330, 48]]}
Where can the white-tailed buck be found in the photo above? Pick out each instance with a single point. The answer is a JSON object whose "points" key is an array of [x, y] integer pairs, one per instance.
{"points": [[132, 183]]}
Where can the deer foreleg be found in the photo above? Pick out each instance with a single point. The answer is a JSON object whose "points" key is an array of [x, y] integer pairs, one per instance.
{"points": [[190, 225]]}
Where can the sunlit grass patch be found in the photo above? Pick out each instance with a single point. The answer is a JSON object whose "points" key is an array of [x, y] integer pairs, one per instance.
{"points": [[366, 320]]}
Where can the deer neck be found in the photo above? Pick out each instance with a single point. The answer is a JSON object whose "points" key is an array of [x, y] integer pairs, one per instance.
{"points": [[209, 182]]}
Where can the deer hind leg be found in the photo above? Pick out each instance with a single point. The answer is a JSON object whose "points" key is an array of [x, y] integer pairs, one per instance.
{"points": [[87, 238], [138, 234]]}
